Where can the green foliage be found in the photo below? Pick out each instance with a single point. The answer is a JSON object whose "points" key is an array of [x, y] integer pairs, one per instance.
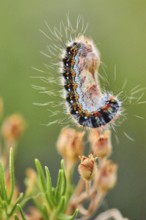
{"points": [[8, 200], [49, 202], [55, 200]]}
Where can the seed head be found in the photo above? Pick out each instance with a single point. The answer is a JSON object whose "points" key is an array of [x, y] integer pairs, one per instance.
{"points": [[13, 127], [107, 176], [87, 167], [70, 145], [101, 145]]}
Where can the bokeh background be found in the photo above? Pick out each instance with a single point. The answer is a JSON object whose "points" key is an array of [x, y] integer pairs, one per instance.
{"points": [[119, 30]]}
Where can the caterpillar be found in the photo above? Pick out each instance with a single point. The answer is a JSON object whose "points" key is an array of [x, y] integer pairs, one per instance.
{"points": [[78, 61], [87, 104]]}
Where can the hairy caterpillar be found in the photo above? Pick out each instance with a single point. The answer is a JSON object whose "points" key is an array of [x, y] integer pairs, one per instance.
{"points": [[88, 106], [97, 107]]}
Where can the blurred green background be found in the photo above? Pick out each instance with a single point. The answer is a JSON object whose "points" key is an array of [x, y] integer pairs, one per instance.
{"points": [[119, 30]]}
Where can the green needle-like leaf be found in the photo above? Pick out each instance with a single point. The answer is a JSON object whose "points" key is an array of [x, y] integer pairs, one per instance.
{"points": [[15, 204], [49, 189], [64, 177], [53, 197], [74, 214], [45, 213], [12, 175], [62, 165], [3, 191], [58, 191], [41, 174], [65, 217], [61, 185], [60, 208], [21, 212]]}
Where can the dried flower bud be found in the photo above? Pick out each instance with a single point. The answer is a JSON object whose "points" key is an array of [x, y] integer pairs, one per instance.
{"points": [[101, 146], [70, 145], [87, 167], [1, 107], [107, 176], [13, 127]]}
